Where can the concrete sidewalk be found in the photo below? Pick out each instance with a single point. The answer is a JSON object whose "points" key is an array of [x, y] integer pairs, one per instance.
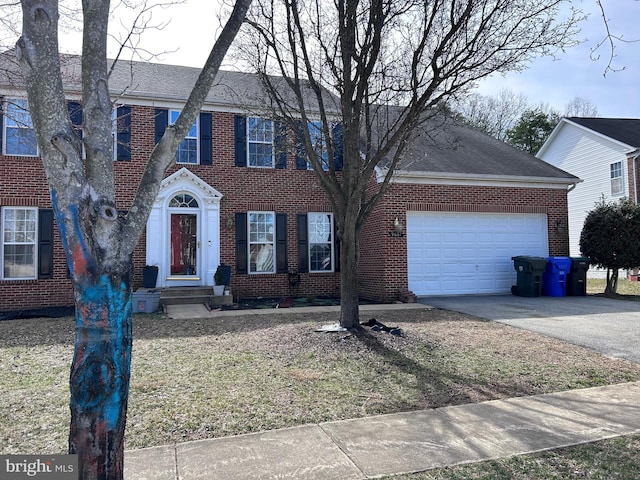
{"points": [[400, 443], [185, 312]]}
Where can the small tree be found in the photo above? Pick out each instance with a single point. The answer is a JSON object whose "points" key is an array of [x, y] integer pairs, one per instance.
{"points": [[610, 238], [532, 130]]}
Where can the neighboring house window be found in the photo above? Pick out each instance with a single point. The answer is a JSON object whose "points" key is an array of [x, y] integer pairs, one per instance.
{"points": [[320, 242], [617, 187], [19, 135], [188, 149], [19, 242], [261, 242], [260, 142]]}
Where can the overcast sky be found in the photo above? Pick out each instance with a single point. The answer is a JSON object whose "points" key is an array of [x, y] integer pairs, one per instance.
{"points": [[554, 82]]}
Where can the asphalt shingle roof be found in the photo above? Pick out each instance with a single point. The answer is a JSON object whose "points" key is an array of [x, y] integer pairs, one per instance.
{"points": [[443, 147], [452, 147], [625, 130]]}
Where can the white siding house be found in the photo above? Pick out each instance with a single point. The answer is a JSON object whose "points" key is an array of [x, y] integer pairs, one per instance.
{"points": [[603, 153]]}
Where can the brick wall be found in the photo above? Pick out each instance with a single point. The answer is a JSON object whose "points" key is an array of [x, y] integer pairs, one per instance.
{"points": [[383, 258]]}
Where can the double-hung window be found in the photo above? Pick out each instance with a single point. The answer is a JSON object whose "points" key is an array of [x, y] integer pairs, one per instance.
{"points": [[19, 135], [320, 228], [260, 142], [262, 245], [188, 149], [319, 143], [617, 186], [19, 237]]}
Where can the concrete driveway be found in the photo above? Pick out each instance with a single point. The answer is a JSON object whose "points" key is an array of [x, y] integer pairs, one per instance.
{"points": [[608, 326]]}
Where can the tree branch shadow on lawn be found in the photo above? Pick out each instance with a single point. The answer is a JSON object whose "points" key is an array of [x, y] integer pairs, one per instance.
{"points": [[439, 386]]}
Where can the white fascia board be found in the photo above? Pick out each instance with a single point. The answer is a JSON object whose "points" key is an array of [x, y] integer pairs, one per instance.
{"points": [[437, 178]]}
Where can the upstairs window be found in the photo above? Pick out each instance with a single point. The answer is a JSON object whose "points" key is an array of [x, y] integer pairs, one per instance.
{"points": [[197, 147], [320, 146], [319, 143], [617, 186], [19, 135], [188, 149], [260, 142]]}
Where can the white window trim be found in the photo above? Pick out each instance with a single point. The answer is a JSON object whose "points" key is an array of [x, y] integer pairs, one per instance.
{"points": [[271, 143], [618, 179], [250, 243], [3, 211], [196, 138], [331, 243], [5, 127]]}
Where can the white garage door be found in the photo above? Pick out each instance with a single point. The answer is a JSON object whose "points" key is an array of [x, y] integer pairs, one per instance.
{"points": [[461, 253]]}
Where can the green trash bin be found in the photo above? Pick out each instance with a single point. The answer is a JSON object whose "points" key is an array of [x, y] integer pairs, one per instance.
{"points": [[577, 278], [529, 275]]}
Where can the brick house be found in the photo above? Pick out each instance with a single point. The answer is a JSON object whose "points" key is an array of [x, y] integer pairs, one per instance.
{"points": [[463, 203]]}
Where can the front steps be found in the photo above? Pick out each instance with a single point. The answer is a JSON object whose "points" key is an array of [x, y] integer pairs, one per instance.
{"points": [[192, 295]]}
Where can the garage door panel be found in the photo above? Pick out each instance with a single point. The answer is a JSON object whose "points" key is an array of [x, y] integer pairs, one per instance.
{"points": [[457, 253]]}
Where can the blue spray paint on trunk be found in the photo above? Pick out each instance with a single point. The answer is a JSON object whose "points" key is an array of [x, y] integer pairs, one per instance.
{"points": [[99, 380]]}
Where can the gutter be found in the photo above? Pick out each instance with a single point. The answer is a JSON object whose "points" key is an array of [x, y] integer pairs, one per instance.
{"points": [[404, 176]]}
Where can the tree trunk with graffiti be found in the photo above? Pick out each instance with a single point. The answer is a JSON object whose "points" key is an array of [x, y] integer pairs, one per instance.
{"points": [[98, 241]]}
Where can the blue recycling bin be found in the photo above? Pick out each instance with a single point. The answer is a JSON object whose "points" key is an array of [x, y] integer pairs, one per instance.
{"points": [[554, 278]]}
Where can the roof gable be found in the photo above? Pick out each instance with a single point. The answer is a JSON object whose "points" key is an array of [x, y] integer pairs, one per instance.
{"points": [[622, 131], [625, 130]]}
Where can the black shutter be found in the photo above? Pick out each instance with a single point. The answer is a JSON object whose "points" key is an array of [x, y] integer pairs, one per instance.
{"points": [[206, 153], [123, 133], [242, 262], [45, 243], [338, 159], [75, 115], [301, 157], [240, 129], [1, 122], [303, 244], [280, 144], [282, 262], [161, 123], [336, 246]]}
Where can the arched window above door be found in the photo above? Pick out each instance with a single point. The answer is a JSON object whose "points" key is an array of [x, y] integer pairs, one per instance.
{"points": [[183, 200]]}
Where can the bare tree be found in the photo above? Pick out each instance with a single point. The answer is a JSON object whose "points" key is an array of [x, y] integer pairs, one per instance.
{"points": [[608, 42], [493, 115], [580, 107], [390, 65], [98, 241]]}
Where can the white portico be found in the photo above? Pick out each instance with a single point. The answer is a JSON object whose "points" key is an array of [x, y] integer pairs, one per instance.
{"points": [[183, 231]]}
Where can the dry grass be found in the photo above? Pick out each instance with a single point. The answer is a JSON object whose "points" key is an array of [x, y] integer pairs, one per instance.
{"points": [[206, 378]]}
